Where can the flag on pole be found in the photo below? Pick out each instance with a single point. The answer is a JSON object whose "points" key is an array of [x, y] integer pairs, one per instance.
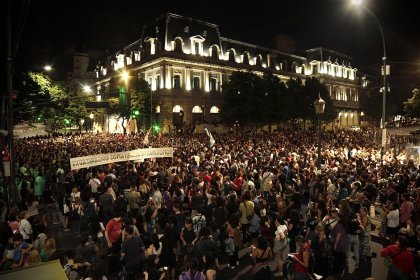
{"points": [[146, 137], [212, 141]]}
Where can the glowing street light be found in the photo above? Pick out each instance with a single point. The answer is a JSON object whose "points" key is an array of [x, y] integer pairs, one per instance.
{"points": [[47, 68], [87, 89], [91, 116], [125, 76]]}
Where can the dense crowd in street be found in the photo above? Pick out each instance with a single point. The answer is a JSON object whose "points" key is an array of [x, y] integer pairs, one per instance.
{"points": [[182, 217]]}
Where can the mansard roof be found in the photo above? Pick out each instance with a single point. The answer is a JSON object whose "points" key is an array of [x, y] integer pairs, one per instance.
{"points": [[323, 54], [186, 27], [175, 36], [254, 50]]}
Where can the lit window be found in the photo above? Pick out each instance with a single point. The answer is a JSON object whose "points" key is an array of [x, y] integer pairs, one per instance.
{"points": [[177, 109], [197, 109], [120, 61], [177, 81], [196, 83], [213, 84], [214, 110]]}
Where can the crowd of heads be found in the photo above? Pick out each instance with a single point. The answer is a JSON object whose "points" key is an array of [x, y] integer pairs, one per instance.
{"points": [[203, 193]]}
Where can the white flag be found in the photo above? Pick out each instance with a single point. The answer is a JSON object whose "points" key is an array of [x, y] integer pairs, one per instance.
{"points": [[146, 137], [212, 141]]}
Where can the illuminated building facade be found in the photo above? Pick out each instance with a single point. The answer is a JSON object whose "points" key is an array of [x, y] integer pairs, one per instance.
{"points": [[186, 62]]}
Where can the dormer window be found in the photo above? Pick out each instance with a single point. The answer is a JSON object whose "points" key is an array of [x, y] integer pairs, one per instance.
{"points": [[120, 60], [151, 47], [103, 71], [197, 45], [115, 65], [129, 60], [136, 56]]}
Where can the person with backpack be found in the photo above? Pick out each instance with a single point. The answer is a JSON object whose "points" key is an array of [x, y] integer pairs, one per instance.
{"points": [[261, 254], [246, 210], [304, 259], [199, 220], [90, 219]]}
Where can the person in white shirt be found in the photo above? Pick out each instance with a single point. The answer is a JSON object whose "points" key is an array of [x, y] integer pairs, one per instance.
{"points": [[248, 184], [280, 243], [74, 194], [157, 195], [94, 184], [393, 221], [25, 227], [267, 181]]}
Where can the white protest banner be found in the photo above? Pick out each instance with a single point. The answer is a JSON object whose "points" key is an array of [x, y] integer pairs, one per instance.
{"points": [[139, 154]]}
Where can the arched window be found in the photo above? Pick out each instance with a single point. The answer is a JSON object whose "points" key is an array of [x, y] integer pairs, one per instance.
{"points": [[197, 109], [246, 58], [214, 51], [197, 114], [259, 61], [177, 109], [232, 55], [177, 116], [214, 110], [178, 45]]}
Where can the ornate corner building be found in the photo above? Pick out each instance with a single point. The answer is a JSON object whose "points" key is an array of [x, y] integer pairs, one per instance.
{"points": [[186, 62]]}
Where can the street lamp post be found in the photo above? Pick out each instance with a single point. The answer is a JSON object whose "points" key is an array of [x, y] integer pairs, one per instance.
{"points": [[385, 70], [319, 105], [151, 109]]}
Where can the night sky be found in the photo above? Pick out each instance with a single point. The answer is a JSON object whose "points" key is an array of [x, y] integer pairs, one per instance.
{"points": [[54, 28]]}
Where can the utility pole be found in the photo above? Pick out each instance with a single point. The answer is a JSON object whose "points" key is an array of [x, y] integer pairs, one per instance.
{"points": [[13, 195]]}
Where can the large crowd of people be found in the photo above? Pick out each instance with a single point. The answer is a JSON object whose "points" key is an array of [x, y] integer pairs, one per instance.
{"points": [[187, 216]]}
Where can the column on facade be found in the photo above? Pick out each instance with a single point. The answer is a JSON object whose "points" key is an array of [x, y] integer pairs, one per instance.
{"points": [[206, 80], [162, 76], [168, 77], [220, 76], [188, 78]]}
